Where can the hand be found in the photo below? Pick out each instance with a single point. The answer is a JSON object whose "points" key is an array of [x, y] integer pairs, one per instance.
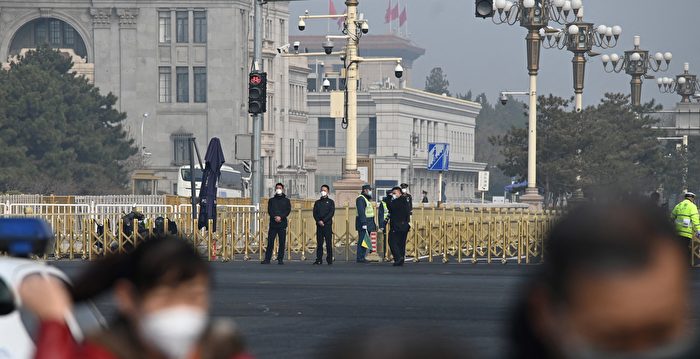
{"points": [[278, 219], [48, 298], [320, 223], [364, 227]]}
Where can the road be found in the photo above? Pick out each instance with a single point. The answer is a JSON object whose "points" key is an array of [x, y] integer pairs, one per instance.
{"points": [[290, 311]]}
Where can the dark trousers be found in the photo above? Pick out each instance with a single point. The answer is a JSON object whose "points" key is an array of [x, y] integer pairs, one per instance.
{"points": [[397, 242], [271, 234], [324, 234]]}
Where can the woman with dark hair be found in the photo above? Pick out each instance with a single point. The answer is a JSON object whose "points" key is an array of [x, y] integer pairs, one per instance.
{"points": [[161, 291]]}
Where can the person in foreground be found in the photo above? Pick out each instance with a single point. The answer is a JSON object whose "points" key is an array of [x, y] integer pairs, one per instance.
{"points": [[400, 216], [161, 292], [614, 284]]}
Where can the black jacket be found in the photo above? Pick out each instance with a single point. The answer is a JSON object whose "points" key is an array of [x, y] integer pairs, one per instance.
{"points": [[279, 205], [400, 212], [324, 210]]}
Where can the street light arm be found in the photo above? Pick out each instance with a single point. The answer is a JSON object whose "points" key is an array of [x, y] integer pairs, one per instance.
{"points": [[322, 17], [377, 59], [515, 93], [314, 54]]}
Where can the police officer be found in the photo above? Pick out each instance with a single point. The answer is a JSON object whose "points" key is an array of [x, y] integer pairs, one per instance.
{"points": [[687, 219], [400, 225], [384, 211], [324, 209], [407, 196], [278, 207], [364, 222]]}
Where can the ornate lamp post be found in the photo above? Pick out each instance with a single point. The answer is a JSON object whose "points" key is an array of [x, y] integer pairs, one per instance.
{"points": [[685, 85], [534, 15], [637, 63], [580, 38]]}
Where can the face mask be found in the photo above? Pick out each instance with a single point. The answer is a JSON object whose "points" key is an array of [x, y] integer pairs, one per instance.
{"points": [[324, 193], [394, 196], [278, 191], [404, 190], [174, 331], [369, 193]]}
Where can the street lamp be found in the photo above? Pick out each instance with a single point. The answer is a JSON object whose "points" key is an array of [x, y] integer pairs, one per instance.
{"points": [[581, 37], [534, 15], [686, 85], [637, 63], [143, 147], [355, 26]]}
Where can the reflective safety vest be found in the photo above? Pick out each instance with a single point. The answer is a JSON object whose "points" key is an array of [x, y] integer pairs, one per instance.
{"points": [[386, 210], [369, 209], [687, 219]]}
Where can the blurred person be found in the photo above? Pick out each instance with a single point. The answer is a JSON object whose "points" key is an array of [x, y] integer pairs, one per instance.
{"points": [[384, 218], [323, 212], [614, 284], [161, 291], [364, 221], [394, 343], [400, 216], [687, 219], [425, 197], [407, 195], [278, 207]]}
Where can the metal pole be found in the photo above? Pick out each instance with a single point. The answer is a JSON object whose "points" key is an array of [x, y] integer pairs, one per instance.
{"points": [[685, 163], [636, 85], [579, 64], [439, 201], [532, 197], [351, 142], [193, 189], [257, 168], [410, 163]]}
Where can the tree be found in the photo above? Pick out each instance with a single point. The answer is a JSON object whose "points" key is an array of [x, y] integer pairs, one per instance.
{"points": [[58, 134], [437, 82]]}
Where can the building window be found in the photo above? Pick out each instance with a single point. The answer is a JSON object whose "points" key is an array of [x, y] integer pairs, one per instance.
{"points": [[68, 36], [181, 144], [200, 84], [55, 32], [372, 136], [42, 36], [326, 132], [165, 80], [164, 30], [183, 84], [200, 27], [181, 22]]}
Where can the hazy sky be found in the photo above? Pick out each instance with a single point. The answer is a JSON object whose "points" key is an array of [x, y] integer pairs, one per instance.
{"points": [[479, 55]]}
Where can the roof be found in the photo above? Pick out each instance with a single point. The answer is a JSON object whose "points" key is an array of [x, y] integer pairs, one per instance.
{"points": [[377, 45]]}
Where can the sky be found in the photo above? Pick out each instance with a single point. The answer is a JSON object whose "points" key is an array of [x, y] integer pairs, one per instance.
{"points": [[481, 56]]}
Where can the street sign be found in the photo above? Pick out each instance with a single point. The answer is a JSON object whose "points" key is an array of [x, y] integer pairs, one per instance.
{"points": [[483, 185], [438, 156], [337, 104]]}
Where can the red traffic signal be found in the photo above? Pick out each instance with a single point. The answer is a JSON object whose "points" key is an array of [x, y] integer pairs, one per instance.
{"points": [[257, 93]]}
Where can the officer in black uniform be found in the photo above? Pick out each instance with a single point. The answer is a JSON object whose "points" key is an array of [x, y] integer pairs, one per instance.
{"points": [[407, 196], [278, 207], [324, 209], [400, 225]]}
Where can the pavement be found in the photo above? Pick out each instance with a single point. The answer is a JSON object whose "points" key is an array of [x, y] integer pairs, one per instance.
{"points": [[290, 311]]}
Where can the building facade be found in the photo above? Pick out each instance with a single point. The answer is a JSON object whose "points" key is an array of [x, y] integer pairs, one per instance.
{"points": [[179, 70]]}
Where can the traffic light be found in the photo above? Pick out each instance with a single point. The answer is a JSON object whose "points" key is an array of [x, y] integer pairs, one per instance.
{"points": [[484, 8], [257, 92]]}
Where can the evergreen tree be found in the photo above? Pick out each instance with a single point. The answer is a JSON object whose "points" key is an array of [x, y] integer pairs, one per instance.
{"points": [[437, 82]]}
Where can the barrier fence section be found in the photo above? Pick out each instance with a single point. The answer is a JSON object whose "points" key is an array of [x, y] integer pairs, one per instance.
{"points": [[457, 235]]}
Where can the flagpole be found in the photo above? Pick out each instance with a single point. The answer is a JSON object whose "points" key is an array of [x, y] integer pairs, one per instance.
{"points": [[389, 12]]}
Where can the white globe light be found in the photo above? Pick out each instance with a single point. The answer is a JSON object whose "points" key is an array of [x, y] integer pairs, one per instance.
{"points": [[576, 4], [667, 81], [542, 32], [573, 30], [681, 80], [500, 4], [668, 56], [660, 81], [635, 56], [614, 57], [605, 58], [509, 5], [609, 32], [617, 30], [567, 5], [529, 4], [559, 3], [658, 56], [602, 29]]}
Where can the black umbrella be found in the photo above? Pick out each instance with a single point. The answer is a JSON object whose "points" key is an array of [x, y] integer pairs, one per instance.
{"points": [[213, 160]]}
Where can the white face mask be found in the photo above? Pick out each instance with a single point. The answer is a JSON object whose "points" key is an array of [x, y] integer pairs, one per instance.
{"points": [[174, 331], [324, 193], [369, 193], [278, 191], [404, 190], [395, 196]]}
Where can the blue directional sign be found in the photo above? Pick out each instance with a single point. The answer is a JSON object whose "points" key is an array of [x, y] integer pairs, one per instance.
{"points": [[438, 156]]}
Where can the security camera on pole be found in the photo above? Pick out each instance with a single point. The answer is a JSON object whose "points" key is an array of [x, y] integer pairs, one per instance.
{"points": [[354, 27]]}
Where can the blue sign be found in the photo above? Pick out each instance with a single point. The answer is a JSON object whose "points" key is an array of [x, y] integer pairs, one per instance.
{"points": [[438, 156]]}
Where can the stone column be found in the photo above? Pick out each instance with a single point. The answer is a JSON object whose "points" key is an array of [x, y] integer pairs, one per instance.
{"points": [[127, 55]]}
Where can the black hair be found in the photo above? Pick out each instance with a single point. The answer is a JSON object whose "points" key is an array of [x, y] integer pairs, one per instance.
{"points": [[155, 262], [279, 184], [326, 187], [396, 188]]}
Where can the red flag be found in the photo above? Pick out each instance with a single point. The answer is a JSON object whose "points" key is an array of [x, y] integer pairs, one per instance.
{"points": [[331, 8], [403, 17], [387, 16], [395, 12], [341, 20]]}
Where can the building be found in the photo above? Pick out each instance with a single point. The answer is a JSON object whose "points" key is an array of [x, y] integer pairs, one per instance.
{"points": [[179, 70], [395, 124]]}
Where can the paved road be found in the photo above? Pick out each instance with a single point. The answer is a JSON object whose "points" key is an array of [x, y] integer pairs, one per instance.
{"points": [[289, 311]]}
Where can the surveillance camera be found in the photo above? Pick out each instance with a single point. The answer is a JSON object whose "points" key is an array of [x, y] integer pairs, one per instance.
{"points": [[398, 71], [504, 99], [364, 27], [283, 49], [296, 46], [328, 46], [302, 25], [326, 84]]}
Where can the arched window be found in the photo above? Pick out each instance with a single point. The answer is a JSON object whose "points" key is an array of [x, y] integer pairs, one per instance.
{"points": [[54, 32]]}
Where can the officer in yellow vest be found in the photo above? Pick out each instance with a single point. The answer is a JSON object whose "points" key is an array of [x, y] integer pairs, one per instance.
{"points": [[687, 219], [364, 222]]}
